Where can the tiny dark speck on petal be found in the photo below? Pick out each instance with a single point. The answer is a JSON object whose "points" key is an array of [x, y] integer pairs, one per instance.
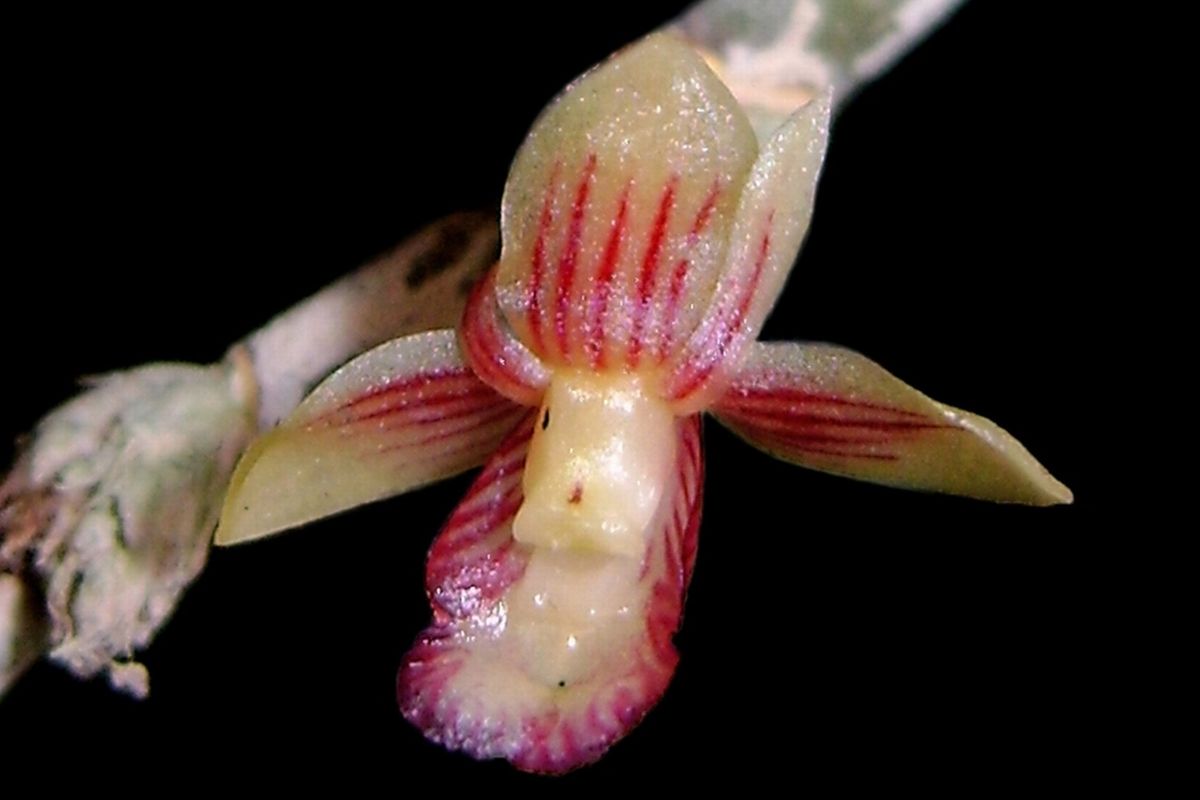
{"points": [[576, 494], [546, 419], [562, 684]]}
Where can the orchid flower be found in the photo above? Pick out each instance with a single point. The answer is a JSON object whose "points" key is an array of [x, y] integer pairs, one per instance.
{"points": [[646, 235]]}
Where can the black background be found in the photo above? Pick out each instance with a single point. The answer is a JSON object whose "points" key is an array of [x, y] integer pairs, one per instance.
{"points": [[176, 181]]}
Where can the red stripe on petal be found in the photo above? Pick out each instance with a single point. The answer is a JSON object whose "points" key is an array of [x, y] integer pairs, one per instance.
{"points": [[671, 553], [461, 430], [495, 354], [755, 397], [444, 410], [671, 308], [846, 454], [801, 438], [537, 273], [704, 215], [491, 503], [785, 419], [569, 259], [749, 290], [393, 394], [711, 349], [509, 459], [421, 405], [601, 293], [648, 277], [463, 523], [679, 274], [771, 406]]}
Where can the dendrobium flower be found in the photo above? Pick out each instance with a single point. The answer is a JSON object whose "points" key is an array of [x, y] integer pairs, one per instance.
{"points": [[646, 236]]}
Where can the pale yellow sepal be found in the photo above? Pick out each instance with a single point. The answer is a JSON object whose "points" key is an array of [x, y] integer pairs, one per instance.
{"points": [[945, 449], [428, 418]]}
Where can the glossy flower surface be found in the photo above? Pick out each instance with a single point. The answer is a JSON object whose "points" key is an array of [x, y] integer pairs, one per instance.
{"points": [[646, 236]]}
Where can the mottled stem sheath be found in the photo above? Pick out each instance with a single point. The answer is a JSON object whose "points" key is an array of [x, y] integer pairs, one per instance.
{"points": [[65, 561], [777, 56], [421, 285]]}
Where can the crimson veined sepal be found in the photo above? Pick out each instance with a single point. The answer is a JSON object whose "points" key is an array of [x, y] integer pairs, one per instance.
{"points": [[495, 354], [402, 415], [829, 408]]}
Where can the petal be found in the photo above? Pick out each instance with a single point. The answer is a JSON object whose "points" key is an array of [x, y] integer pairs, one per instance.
{"points": [[772, 219], [400, 416], [491, 675], [831, 409], [619, 205], [494, 353]]}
